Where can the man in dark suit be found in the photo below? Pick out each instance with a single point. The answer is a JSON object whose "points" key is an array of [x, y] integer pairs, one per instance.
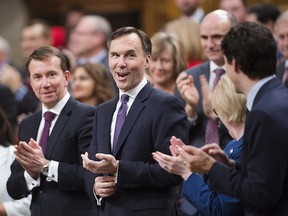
{"points": [[54, 176], [281, 32], [127, 181], [261, 181], [189, 83]]}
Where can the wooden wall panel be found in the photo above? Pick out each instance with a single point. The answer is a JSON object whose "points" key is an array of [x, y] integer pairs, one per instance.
{"points": [[149, 15]]}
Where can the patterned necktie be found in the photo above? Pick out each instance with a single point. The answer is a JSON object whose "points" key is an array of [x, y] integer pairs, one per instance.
{"points": [[211, 134], [121, 115], [48, 116], [285, 77]]}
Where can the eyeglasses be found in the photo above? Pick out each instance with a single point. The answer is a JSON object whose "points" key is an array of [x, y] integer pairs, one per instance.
{"points": [[214, 110]]}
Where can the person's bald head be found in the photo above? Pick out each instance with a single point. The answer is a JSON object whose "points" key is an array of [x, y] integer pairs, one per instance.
{"points": [[213, 28]]}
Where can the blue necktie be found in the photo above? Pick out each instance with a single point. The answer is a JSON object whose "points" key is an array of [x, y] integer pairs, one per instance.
{"points": [[121, 115]]}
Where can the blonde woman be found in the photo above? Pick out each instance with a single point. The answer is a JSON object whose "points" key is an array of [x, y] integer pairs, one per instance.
{"points": [[189, 34], [230, 107]]}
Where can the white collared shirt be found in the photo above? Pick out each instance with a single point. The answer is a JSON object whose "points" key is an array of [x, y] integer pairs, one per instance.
{"points": [[53, 167], [57, 110], [132, 95]]}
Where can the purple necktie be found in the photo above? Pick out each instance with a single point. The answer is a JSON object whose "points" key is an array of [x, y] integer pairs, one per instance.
{"points": [[48, 116], [211, 134], [121, 115]]}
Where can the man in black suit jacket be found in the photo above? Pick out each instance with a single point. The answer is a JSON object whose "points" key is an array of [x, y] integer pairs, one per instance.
{"points": [[281, 32], [55, 176], [190, 82], [261, 181], [127, 181]]}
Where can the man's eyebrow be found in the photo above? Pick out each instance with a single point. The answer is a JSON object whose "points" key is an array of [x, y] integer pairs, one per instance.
{"points": [[130, 51], [113, 52]]}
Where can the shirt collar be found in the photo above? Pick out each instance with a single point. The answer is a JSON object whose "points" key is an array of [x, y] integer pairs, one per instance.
{"points": [[214, 66], [255, 89], [58, 107], [134, 92]]}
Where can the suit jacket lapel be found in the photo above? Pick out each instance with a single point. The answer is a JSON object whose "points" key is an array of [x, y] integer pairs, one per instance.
{"points": [[59, 126], [137, 106], [34, 125], [106, 120]]}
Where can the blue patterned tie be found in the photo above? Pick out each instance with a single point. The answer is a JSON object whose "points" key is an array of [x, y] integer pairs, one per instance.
{"points": [[121, 115], [211, 134]]}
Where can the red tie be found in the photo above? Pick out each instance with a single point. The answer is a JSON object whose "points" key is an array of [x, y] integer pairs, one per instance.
{"points": [[48, 116], [211, 134]]}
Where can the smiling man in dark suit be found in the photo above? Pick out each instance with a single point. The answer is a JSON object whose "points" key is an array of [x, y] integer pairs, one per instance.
{"points": [[52, 172], [124, 178]]}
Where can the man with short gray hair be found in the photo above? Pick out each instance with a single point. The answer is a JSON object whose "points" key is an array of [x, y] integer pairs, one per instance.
{"points": [[88, 41]]}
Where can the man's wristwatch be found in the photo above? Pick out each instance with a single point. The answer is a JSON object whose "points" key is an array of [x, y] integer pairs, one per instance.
{"points": [[45, 169]]}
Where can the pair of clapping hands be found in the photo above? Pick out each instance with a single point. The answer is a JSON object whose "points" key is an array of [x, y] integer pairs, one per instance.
{"points": [[188, 159]]}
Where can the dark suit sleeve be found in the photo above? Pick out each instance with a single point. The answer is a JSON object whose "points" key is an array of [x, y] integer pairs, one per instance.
{"points": [[197, 191], [16, 184], [169, 119], [261, 182], [69, 171], [19, 190], [208, 202]]}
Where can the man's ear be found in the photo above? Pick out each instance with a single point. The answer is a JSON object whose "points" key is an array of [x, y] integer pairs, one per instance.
{"points": [[147, 61], [236, 66]]}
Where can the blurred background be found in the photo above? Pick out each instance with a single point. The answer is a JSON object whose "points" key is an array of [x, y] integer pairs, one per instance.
{"points": [[148, 15]]}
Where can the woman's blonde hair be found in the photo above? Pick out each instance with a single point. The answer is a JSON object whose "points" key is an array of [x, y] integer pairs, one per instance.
{"points": [[229, 105], [188, 33]]}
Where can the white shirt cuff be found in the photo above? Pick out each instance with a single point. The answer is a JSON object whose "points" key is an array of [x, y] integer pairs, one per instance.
{"points": [[53, 171], [98, 199], [30, 182]]}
